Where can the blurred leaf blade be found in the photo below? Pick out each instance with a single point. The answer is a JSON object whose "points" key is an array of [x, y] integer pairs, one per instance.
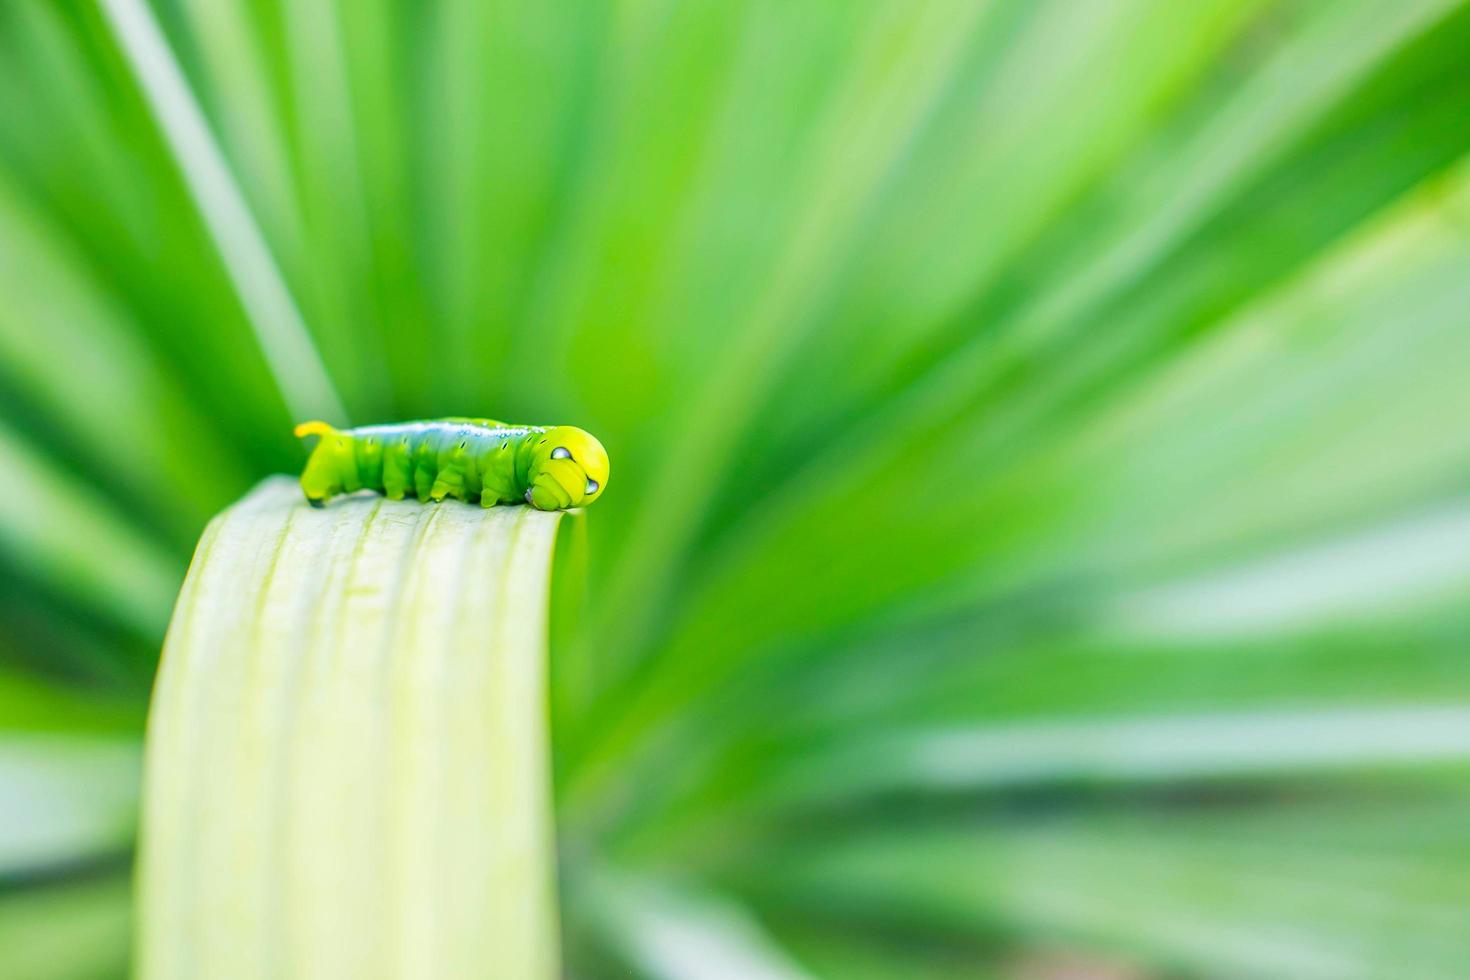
{"points": [[279, 327], [1194, 892], [74, 931], [68, 800], [71, 537]]}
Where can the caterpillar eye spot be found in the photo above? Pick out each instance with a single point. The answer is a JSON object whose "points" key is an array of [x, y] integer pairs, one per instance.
{"points": [[561, 452], [591, 487]]}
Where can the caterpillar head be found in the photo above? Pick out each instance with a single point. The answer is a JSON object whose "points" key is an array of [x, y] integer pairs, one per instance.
{"points": [[568, 469]]}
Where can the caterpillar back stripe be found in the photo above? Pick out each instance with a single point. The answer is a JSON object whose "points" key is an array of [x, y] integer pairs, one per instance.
{"points": [[549, 467]]}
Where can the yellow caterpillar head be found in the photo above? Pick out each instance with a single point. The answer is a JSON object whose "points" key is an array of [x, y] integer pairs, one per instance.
{"points": [[568, 469]]}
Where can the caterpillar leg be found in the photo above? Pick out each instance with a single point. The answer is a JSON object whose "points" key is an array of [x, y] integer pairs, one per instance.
{"points": [[423, 483], [321, 479], [450, 482], [425, 469], [488, 500], [397, 469]]}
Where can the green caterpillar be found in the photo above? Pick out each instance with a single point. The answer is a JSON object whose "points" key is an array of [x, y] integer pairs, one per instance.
{"points": [[549, 467]]}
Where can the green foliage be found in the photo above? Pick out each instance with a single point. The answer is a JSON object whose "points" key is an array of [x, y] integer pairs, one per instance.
{"points": [[1012, 407]]}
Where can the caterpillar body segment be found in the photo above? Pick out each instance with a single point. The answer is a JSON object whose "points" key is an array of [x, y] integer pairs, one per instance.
{"points": [[552, 467]]}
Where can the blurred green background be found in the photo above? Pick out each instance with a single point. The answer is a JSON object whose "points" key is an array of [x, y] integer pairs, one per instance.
{"points": [[1038, 545]]}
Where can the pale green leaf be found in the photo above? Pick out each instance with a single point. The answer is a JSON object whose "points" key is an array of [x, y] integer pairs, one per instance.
{"points": [[347, 762]]}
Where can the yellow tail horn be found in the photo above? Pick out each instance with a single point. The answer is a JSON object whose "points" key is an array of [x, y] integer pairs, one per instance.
{"points": [[313, 429]]}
